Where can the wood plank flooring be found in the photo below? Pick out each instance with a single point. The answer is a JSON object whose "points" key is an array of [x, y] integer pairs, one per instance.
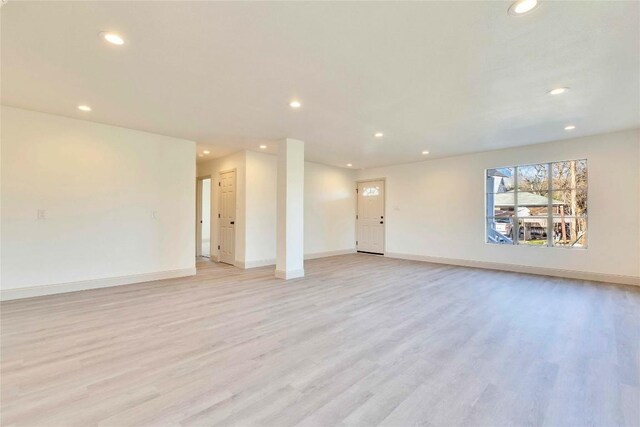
{"points": [[360, 341]]}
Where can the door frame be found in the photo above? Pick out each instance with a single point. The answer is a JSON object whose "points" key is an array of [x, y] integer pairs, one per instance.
{"points": [[384, 211], [217, 215], [199, 180]]}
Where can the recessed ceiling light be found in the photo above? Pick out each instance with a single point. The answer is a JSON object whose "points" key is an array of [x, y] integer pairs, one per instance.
{"points": [[522, 6], [295, 104], [112, 38], [425, 152], [378, 134], [349, 165], [558, 91], [569, 127], [206, 152], [84, 108], [263, 147]]}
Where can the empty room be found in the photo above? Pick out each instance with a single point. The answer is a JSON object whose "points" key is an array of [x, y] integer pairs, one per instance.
{"points": [[320, 214]]}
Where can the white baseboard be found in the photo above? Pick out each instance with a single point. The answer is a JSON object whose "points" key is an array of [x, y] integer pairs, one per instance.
{"points": [[59, 288], [543, 271], [272, 261], [329, 253], [289, 274], [255, 263]]}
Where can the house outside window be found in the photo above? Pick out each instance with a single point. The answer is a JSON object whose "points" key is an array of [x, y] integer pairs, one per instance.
{"points": [[537, 205]]}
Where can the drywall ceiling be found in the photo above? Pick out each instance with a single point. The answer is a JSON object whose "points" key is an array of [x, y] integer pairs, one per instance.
{"points": [[448, 77]]}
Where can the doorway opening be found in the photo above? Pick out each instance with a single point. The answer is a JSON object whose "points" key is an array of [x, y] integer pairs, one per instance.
{"points": [[370, 217], [203, 220]]}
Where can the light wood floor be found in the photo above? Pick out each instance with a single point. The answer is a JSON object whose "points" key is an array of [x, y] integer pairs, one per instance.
{"points": [[362, 340]]}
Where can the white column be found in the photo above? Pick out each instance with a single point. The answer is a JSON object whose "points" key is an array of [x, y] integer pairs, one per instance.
{"points": [[290, 218]]}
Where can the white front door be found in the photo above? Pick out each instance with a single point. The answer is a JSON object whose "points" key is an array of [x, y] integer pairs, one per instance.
{"points": [[227, 217], [370, 220]]}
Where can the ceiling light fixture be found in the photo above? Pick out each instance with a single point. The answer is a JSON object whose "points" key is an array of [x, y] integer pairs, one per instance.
{"points": [[558, 91], [425, 152], [295, 104], [349, 165], [378, 134], [569, 127], [84, 108], [521, 7], [206, 152], [262, 147], [112, 38]]}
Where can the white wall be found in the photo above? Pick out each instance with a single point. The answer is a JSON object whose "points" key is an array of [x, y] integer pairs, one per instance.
{"points": [[99, 186], [436, 208], [262, 171], [329, 209]]}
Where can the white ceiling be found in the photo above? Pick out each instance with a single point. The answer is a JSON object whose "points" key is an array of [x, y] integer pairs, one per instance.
{"points": [[448, 77]]}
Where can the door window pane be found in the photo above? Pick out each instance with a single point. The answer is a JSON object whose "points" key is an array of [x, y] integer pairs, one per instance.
{"points": [[371, 191]]}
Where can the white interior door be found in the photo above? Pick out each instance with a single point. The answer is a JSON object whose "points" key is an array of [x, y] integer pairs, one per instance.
{"points": [[227, 217], [205, 218], [370, 220], [198, 217]]}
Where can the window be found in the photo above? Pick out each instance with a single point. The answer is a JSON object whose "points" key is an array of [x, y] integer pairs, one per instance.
{"points": [[538, 205], [371, 191]]}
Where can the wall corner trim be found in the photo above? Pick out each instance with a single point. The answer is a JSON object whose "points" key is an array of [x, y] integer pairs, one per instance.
{"points": [[60, 288], [514, 268]]}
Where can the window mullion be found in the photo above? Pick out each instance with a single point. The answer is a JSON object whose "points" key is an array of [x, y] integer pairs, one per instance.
{"points": [[550, 206], [516, 234]]}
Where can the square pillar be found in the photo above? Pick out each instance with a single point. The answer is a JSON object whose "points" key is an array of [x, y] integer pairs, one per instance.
{"points": [[290, 216]]}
